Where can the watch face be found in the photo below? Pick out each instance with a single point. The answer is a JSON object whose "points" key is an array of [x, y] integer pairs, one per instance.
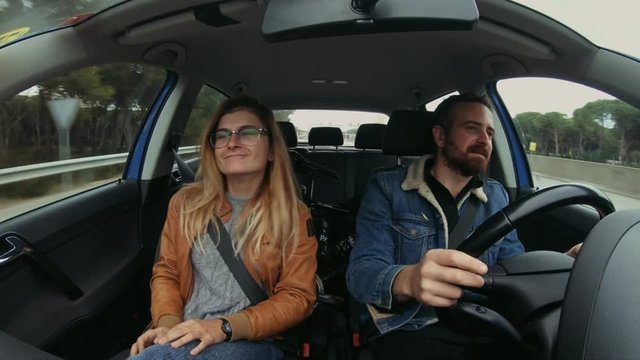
{"points": [[226, 329]]}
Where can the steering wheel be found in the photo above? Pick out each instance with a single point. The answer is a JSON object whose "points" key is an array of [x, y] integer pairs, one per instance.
{"points": [[505, 220], [522, 296]]}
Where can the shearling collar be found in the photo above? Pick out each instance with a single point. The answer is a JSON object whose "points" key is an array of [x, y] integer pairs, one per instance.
{"points": [[415, 181]]}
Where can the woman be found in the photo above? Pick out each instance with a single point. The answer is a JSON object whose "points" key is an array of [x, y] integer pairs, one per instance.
{"points": [[197, 306]]}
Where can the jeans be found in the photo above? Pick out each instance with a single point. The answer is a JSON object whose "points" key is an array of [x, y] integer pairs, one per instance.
{"points": [[236, 350], [437, 342]]}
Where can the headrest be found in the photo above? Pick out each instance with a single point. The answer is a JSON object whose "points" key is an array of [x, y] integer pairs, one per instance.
{"points": [[408, 133], [325, 136], [288, 133], [370, 136]]}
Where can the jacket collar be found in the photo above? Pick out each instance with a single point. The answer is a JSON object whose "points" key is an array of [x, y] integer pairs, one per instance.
{"points": [[415, 181]]}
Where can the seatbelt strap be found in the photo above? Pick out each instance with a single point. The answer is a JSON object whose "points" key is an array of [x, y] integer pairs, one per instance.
{"points": [[253, 291], [185, 171], [249, 286], [459, 233]]}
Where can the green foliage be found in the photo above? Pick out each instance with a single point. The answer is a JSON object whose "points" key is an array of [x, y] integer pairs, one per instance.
{"points": [[598, 131], [282, 115], [206, 104], [113, 101]]}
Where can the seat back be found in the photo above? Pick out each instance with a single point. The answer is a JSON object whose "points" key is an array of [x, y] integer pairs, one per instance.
{"points": [[325, 136], [328, 190], [289, 134], [360, 164], [370, 136], [408, 133]]}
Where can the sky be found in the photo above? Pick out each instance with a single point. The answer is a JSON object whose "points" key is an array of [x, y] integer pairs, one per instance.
{"points": [[611, 24]]}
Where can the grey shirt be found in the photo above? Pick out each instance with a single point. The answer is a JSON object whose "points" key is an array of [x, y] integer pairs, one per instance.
{"points": [[216, 292]]}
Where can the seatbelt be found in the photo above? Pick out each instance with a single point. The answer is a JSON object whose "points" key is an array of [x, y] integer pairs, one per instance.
{"points": [[249, 286], [460, 231], [184, 168], [291, 338]]}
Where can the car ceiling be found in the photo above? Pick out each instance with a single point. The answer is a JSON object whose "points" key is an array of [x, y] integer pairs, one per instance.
{"points": [[383, 72]]}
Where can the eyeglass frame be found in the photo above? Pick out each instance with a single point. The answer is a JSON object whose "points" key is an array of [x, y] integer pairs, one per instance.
{"points": [[236, 133]]}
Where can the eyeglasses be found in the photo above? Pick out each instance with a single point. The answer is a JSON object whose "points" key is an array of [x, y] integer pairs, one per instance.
{"points": [[246, 136]]}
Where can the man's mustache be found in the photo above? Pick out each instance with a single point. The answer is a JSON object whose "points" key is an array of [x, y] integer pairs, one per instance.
{"points": [[479, 149]]}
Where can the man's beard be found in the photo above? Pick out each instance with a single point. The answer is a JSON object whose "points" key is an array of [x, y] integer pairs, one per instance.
{"points": [[458, 161]]}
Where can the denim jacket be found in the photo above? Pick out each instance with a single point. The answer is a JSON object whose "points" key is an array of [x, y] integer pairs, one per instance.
{"points": [[398, 222]]}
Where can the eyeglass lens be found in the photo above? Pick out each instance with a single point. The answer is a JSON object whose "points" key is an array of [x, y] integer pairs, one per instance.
{"points": [[246, 136]]}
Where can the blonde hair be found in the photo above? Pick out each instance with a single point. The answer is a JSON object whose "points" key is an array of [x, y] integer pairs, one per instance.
{"points": [[274, 208]]}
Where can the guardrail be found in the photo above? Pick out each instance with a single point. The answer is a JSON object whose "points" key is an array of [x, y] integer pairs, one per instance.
{"points": [[35, 171], [597, 173], [615, 178]]}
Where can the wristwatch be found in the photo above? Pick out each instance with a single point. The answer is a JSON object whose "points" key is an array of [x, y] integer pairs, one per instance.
{"points": [[226, 329]]}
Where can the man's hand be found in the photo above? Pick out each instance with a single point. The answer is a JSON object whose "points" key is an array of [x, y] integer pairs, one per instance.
{"points": [[209, 332], [437, 279], [146, 339]]}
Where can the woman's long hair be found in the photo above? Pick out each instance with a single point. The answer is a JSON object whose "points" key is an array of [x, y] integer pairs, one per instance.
{"points": [[274, 208]]}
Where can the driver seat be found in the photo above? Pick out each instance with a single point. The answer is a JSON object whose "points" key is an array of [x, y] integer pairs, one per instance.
{"points": [[407, 136]]}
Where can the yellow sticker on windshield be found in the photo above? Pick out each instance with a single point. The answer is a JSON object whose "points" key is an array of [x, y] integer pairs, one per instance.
{"points": [[13, 34]]}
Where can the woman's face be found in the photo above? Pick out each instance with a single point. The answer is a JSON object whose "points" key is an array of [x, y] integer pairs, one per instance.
{"points": [[243, 155]]}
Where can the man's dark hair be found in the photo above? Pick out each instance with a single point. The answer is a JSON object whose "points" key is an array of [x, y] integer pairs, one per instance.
{"points": [[443, 111]]}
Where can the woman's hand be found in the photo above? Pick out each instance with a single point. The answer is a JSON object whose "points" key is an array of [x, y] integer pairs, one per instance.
{"points": [[209, 332], [146, 339]]}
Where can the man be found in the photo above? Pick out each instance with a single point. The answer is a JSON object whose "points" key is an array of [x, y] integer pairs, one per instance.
{"points": [[401, 266]]}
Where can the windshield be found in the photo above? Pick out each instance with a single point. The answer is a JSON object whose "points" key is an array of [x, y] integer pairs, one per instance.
{"points": [[609, 24], [22, 18]]}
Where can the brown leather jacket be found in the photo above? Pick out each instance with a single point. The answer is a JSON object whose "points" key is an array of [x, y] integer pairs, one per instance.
{"points": [[290, 284]]}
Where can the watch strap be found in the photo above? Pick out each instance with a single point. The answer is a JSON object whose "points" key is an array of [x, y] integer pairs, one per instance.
{"points": [[226, 329]]}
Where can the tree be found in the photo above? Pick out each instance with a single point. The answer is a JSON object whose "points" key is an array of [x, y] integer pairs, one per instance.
{"points": [[555, 125], [206, 104], [282, 115], [528, 124], [618, 127]]}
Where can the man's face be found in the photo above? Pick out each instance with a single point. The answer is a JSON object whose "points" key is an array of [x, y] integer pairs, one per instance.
{"points": [[467, 147]]}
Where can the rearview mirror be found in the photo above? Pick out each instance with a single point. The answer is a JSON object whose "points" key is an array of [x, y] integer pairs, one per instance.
{"points": [[296, 19]]}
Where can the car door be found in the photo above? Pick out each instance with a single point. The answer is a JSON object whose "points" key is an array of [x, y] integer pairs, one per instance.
{"points": [[78, 226]]}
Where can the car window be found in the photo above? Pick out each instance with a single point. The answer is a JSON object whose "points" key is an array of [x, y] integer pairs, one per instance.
{"points": [[347, 121], [205, 105], [71, 133], [433, 104], [573, 133]]}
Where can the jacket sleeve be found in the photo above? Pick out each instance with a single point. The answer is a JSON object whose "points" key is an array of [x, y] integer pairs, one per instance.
{"points": [[293, 296], [166, 302], [372, 267]]}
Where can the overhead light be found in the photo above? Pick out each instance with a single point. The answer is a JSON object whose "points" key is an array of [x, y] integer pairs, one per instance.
{"points": [[334, 82]]}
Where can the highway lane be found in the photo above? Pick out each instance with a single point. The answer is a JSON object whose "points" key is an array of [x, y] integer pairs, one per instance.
{"points": [[620, 201]]}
